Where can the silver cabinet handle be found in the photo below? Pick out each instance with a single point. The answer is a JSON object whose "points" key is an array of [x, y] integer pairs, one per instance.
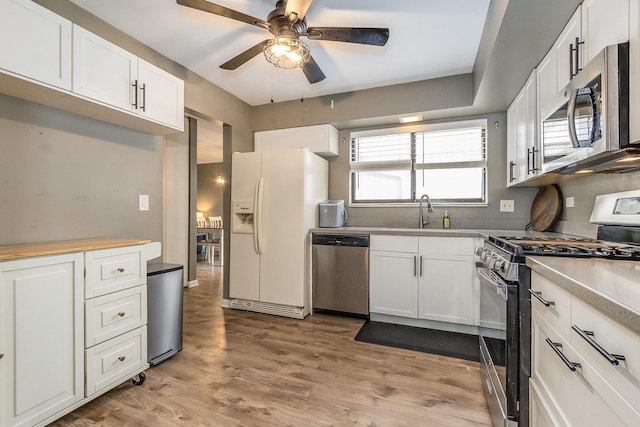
{"points": [[415, 265], [120, 270], [143, 104], [556, 346], [421, 266], [121, 358], [121, 313], [1, 355], [135, 96], [586, 335], [538, 296]]}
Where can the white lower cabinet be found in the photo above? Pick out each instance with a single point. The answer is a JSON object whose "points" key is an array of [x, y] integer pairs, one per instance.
{"points": [[59, 350], [422, 277], [41, 337], [567, 386], [393, 283]]}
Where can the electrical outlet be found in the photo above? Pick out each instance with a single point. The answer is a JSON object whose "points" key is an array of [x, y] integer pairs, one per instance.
{"points": [[143, 202], [506, 206], [569, 202]]}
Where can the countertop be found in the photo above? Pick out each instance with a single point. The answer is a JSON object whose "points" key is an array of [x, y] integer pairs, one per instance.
{"points": [[63, 247], [451, 232], [613, 287]]}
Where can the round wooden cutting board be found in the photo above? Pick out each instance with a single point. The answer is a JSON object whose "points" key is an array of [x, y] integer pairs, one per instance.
{"points": [[546, 208]]}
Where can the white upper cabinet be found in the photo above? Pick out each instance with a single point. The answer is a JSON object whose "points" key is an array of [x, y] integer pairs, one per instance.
{"points": [[523, 159], [35, 43], [161, 95], [604, 22], [568, 50], [320, 139], [107, 73], [103, 71], [594, 25]]}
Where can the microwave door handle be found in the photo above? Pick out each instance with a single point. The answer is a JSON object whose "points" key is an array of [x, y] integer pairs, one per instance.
{"points": [[571, 118]]}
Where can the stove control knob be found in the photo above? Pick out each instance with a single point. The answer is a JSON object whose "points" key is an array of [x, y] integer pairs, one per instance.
{"points": [[499, 265]]}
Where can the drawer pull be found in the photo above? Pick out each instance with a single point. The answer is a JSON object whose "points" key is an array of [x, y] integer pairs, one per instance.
{"points": [[586, 335], [1, 355], [556, 347], [121, 358], [538, 296], [121, 313], [120, 270]]}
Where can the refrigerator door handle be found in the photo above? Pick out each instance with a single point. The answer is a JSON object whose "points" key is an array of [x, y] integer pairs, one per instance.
{"points": [[257, 220]]}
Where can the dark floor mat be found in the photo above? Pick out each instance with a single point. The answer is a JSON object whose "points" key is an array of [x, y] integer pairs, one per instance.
{"points": [[452, 344]]}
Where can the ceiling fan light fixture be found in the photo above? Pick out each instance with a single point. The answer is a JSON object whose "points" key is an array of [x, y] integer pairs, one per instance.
{"points": [[286, 52]]}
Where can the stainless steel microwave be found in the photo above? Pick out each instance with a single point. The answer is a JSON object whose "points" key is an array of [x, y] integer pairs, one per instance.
{"points": [[593, 123]]}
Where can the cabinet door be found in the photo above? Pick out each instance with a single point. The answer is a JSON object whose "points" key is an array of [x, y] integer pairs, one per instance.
{"points": [[35, 43], [393, 283], [103, 71], [41, 337], [604, 22], [161, 95], [564, 54], [548, 99], [531, 141], [446, 288], [512, 143]]}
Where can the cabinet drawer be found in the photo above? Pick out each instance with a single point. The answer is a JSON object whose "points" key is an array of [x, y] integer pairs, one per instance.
{"points": [[111, 270], [583, 396], [394, 243], [557, 314], [115, 360], [114, 314], [446, 245], [613, 338]]}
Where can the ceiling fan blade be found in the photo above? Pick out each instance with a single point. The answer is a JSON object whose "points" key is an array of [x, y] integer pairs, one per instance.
{"points": [[299, 7], [312, 71], [223, 11], [370, 36], [237, 61]]}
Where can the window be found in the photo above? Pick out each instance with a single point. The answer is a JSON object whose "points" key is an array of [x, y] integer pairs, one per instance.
{"points": [[446, 161]]}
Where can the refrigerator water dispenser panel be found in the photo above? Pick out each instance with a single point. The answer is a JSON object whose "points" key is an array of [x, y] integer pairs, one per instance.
{"points": [[242, 217]]}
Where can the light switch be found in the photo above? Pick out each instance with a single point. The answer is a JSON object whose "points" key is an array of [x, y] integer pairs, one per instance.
{"points": [[143, 202], [569, 202]]}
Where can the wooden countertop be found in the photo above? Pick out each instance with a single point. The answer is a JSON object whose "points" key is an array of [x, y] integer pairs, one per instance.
{"points": [[63, 247]]}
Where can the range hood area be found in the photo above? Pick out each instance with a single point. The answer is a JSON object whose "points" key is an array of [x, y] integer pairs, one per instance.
{"points": [[619, 161]]}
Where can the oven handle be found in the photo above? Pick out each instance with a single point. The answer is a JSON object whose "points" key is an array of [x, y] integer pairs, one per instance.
{"points": [[499, 286], [538, 296], [556, 348]]}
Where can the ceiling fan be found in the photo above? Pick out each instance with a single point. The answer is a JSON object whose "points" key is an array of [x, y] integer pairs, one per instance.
{"points": [[287, 22]]}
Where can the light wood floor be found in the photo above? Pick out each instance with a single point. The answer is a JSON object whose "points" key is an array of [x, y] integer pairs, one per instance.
{"points": [[240, 368]]}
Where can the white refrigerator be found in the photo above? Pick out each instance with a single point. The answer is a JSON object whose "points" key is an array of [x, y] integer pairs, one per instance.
{"points": [[275, 196]]}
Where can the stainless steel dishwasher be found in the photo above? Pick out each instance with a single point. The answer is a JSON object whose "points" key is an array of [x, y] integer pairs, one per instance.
{"points": [[341, 273]]}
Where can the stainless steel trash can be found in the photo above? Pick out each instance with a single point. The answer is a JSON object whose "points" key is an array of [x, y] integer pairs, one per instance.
{"points": [[164, 311]]}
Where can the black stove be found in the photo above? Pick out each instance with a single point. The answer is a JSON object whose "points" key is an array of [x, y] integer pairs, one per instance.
{"points": [[569, 247]]}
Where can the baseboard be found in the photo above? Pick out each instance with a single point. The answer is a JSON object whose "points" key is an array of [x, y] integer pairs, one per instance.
{"points": [[192, 283], [268, 308], [225, 303]]}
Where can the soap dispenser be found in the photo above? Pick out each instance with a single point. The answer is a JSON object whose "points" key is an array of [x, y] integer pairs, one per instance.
{"points": [[446, 222]]}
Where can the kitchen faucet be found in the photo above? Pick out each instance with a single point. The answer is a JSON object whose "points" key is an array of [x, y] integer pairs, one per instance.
{"points": [[421, 218]]}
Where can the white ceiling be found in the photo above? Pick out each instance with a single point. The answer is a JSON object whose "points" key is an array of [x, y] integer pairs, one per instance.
{"points": [[428, 39]]}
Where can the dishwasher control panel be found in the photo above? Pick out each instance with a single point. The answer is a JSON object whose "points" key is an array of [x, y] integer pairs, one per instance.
{"points": [[358, 240]]}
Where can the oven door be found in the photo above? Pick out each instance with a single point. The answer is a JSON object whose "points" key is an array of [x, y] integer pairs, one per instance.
{"points": [[498, 345]]}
